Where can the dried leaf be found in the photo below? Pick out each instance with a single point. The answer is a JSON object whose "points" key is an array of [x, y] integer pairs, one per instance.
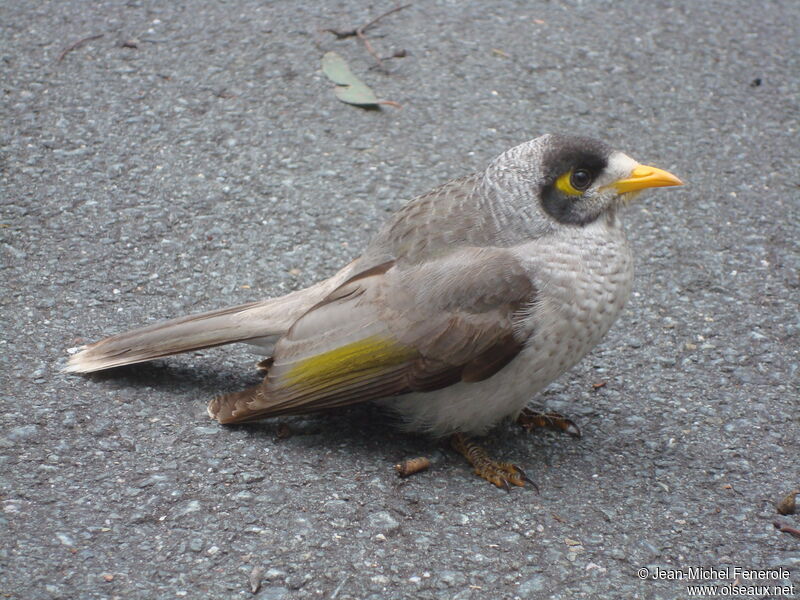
{"points": [[350, 89], [412, 465], [337, 69], [256, 575], [788, 506], [356, 94]]}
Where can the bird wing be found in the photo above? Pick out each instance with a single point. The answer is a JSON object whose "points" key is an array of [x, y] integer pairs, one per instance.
{"points": [[425, 225], [389, 331]]}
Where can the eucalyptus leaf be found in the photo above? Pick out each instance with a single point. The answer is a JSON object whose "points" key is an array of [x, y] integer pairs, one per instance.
{"points": [[337, 69], [349, 88], [356, 94]]}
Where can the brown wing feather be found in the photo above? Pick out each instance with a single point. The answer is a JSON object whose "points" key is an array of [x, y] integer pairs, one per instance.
{"points": [[490, 361], [393, 331]]}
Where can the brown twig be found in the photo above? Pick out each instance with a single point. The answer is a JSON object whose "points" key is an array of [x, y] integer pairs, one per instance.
{"points": [[77, 45], [359, 32], [786, 529], [369, 47], [354, 32], [363, 28], [396, 54]]}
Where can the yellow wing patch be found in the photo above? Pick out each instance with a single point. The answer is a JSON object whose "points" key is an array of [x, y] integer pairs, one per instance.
{"points": [[358, 359]]}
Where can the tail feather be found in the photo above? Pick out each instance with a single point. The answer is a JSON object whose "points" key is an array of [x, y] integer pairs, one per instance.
{"points": [[256, 322], [183, 334]]}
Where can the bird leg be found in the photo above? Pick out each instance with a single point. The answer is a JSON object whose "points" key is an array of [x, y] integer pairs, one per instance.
{"points": [[499, 473], [531, 419]]}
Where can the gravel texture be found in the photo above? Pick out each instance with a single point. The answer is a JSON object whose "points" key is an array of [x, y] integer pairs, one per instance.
{"points": [[195, 157]]}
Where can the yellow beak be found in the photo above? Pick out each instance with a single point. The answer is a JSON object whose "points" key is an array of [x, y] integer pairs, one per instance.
{"points": [[643, 177]]}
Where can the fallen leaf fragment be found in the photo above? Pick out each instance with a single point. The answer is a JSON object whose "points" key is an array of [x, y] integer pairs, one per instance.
{"points": [[338, 71], [412, 465], [788, 506], [256, 575], [349, 88]]}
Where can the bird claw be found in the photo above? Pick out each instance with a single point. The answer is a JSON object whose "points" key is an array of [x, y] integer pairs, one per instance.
{"points": [[527, 479], [530, 419], [503, 475]]}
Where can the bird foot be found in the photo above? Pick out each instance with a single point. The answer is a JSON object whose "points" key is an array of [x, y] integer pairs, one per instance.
{"points": [[530, 419], [501, 474]]}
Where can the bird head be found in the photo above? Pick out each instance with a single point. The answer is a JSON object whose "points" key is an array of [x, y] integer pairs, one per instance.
{"points": [[577, 179]]}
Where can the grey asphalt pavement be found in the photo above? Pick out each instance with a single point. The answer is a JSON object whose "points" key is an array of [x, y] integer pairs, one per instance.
{"points": [[194, 157]]}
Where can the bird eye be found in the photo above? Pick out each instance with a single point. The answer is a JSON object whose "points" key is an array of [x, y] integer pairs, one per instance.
{"points": [[580, 179]]}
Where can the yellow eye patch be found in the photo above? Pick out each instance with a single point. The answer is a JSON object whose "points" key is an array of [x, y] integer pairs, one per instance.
{"points": [[574, 182], [564, 184]]}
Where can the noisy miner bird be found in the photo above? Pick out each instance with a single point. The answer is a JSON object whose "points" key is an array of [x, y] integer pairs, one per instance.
{"points": [[470, 300]]}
